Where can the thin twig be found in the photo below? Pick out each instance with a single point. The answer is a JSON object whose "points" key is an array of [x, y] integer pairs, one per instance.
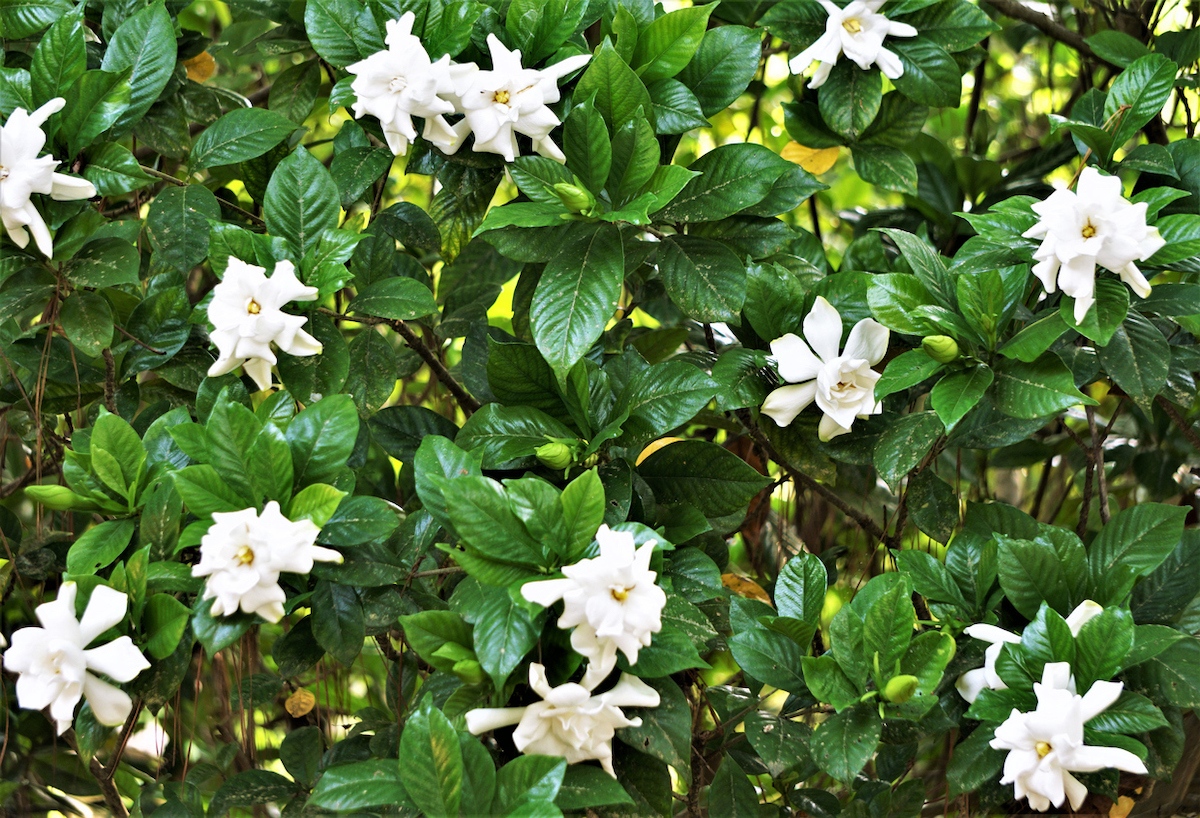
{"points": [[110, 381], [864, 521], [1052, 29], [465, 399], [438, 572], [1098, 463], [9, 489], [1179, 421], [166, 177], [139, 341], [111, 769]]}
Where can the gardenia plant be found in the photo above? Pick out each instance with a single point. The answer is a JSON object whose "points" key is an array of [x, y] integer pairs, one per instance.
{"points": [[57, 667], [243, 553], [246, 313], [1089, 226], [611, 601], [570, 722], [858, 31], [843, 385], [23, 173], [1046, 745]]}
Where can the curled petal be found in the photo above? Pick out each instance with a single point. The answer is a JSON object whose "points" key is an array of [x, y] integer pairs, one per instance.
{"points": [[105, 609], [868, 340], [110, 703], [546, 592], [783, 404], [120, 659], [483, 719], [796, 361]]}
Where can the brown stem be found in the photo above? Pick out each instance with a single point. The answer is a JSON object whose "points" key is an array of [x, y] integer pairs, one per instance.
{"points": [[1098, 463], [1179, 421], [112, 798], [438, 572], [1052, 29], [110, 381], [168, 178], [126, 732], [465, 399], [9, 489], [138, 341], [865, 522]]}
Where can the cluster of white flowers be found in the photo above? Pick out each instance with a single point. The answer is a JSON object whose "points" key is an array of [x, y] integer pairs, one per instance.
{"points": [[858, 31], [1046, 744], [57, 668], [23, 173], [243, 553], [246, 314], [613, 603], [1092, 225], [842, 385], [402, 82]]}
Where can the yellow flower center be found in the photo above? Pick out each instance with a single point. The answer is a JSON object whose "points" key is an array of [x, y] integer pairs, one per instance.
{"points": [[1043, 749], [619, 593], [852, 25], [253, 307], [501, 96], [1088, 230], [244, 555]]}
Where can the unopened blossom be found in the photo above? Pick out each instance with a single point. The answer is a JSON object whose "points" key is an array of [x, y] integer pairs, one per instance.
{"points": [[1092, 225], [1046, 744], [843, 385], [509, 100], [23, 173], [858, 31], [246, 313], [57, 668], [569, 722], [611, 601], [399, 83], [972, 682], [243, 553]]}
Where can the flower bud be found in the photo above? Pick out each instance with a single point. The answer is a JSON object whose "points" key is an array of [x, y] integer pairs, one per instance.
{"points": [[900, 689], [942, 348], [575, 198], [555, 455]]}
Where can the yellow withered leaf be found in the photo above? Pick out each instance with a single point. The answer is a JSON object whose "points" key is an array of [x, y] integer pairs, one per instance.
{"points": [[744, 587], [813, 160], [200, 67], [300, 703], [1122, 808]]}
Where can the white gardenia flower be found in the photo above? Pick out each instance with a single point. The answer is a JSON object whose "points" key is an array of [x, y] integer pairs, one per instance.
{"points": [[858, 31], [23, 173], [570, 722], [57, 668], [611, 602], [1092, 225], [402, 82], [243, 554], [506, 101], [972, 682], [245, 311], [842, 385], [1046, 745]]}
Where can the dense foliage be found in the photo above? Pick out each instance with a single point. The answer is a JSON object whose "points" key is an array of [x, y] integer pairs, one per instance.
{"points": [[607, 407]]}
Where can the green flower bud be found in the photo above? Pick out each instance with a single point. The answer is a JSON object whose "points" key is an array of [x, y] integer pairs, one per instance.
{"points": [[470, 671], [575, 198], [942, 348], [900, 689], [555, 455]]}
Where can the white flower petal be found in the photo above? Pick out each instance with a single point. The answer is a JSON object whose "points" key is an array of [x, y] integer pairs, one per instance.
{"points": [[106, 607], [796, 361], [483, 719], [823, 329], [110, 704], [120, 659], [784, 403], [868, 340]]}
